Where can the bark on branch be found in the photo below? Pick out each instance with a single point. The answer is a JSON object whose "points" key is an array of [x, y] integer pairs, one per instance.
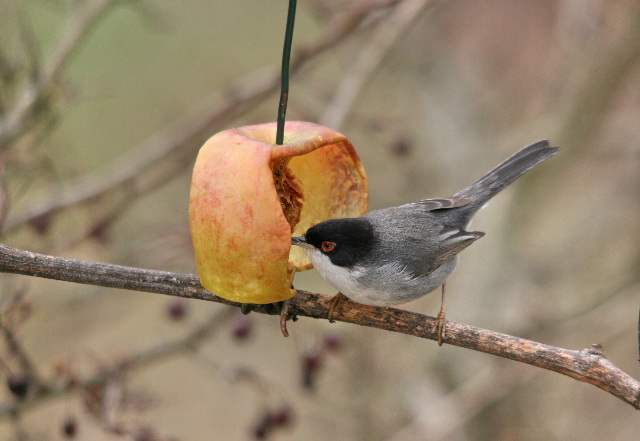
{"points": [[588, 365]]}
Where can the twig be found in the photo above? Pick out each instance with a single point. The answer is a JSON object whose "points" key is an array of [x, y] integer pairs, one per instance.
{"points": [[489, 386], [77, 30], [486, 387], [607, 70], [576, 125], [18, 119], [97, 226], [185, 136], [16, 348], [369, 57], [588, 365], [190, 342], [162, 351]]}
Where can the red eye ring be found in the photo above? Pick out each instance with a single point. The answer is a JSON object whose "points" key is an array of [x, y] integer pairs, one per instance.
{"points": [[328, 246]]}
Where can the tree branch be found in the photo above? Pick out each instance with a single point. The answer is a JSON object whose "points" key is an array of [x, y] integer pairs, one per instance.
{"points": [[589, 366], [18, 120], [161, 351], [369, 58], [174, 145]]}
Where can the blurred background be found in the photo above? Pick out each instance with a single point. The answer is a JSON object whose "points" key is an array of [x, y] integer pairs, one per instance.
{"points": [[103, 106]]}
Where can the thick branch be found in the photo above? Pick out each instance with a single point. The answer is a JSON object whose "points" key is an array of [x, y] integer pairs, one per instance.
{"points": [[589, 366]]}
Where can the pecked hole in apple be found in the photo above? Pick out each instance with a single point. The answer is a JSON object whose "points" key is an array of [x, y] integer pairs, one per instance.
{"points": [[289, 189]]}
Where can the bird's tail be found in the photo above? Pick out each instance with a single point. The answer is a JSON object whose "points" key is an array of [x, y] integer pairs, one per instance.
{"points": [[504, 174]]}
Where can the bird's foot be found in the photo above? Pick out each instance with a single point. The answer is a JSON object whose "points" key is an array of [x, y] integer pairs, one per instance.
{"points": [[441, 322], [280, 308], [441, 326], [284, 310], [284, 315], [272, 308], [335, 302]]}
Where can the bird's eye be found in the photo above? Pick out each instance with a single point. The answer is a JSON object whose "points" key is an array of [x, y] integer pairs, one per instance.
{"points": [[327, 246]]}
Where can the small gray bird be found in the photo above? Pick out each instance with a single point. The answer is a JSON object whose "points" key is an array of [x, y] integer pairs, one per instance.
{"points": [[395, 255]]}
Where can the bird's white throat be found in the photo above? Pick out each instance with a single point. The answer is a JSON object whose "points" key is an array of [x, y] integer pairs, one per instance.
{"points": [[341, 278]]}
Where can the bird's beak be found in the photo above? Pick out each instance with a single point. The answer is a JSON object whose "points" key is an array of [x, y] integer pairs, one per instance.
{"points": [[301, 242]]}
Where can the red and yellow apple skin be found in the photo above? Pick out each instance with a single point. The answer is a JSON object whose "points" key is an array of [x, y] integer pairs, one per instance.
{"points": [[241, 236]]}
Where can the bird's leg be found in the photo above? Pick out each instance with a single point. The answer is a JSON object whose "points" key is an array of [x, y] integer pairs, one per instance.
{"points": [[284, 314], [281, 308], [335, 302], [284, 311], [272, 308], [441, 323]]}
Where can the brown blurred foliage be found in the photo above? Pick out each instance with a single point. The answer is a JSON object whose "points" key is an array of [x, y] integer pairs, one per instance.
{"points": [[103, 106]]}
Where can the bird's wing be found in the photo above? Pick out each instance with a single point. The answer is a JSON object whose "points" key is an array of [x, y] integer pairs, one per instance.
{"points": [[452, 241], [440, 203], [417, 238]]}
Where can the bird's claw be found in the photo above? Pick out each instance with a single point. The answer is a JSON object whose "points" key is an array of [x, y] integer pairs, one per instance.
{"points": [[441, 326], [284, 316], [281, 308], [335, 302], [283, 320]]}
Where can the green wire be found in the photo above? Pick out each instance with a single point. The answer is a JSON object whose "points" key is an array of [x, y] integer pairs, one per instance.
{"points": [[286, 56]]}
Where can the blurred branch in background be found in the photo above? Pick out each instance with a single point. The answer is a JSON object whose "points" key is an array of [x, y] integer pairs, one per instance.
{"points": [[607, 71], [110, 376], [21, 115], [111, 190], [97, 383], [588, 365], [174, 146], [451, 80], [495, 382], [384, 38], [577, 122]]}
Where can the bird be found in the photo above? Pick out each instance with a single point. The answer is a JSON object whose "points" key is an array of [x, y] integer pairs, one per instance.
{"points": [[394, 255]]}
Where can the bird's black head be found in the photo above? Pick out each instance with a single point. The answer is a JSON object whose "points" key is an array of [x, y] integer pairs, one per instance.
{"points": [[346, 242]]}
